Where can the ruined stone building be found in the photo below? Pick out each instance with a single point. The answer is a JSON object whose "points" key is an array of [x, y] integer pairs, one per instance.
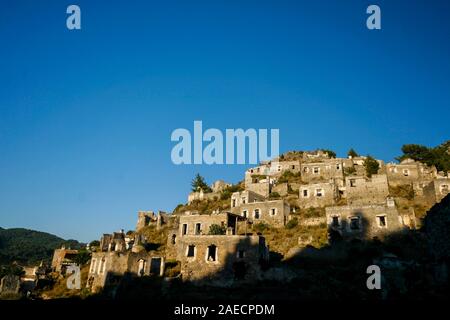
{"points": [[218, 259], [364, 221], [148, 218], [221, 247], [62, 258], [116, 259], [436, 190], [272, 212], [217, 187], [364, 190], [318, 194]]}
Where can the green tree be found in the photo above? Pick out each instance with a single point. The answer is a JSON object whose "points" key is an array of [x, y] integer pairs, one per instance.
{"points": [[438, 156], [331, 153], [292, 223], [82, 257], [352, 153], [94, 243], [371, 165], [216, 229], [199, 183]]}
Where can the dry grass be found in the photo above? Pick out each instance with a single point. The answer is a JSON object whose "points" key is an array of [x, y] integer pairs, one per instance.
{"points": [[59, 289]]}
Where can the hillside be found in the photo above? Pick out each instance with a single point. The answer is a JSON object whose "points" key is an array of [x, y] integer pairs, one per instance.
{"points": [[29, 246]]}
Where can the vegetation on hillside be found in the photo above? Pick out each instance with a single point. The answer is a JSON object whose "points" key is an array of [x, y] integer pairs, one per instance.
{"points": [[199, 183], [438, 156], [372, 166], [29, 247]]}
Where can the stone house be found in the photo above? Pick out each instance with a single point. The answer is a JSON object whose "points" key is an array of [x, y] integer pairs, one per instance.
{"points": [[243, 197], [310, 156], [221, 260], [278, 167], [318, 195], [258, 180], [322, 171], [272, 212], [147, 218], [111, 263], [219, 186], [364, 221], [199, 224], [436, 190], [409, 171], [363, 190], [62, 258]]}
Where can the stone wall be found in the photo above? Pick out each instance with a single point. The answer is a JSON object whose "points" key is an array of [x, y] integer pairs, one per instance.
{"points": [[243, 197], [234, 257], [108, 267], [278, 167], [274, 212], [317, 195], [365, 221], [62, 257], [436, 190], [322, 171], [363, 190], [200, 196]]}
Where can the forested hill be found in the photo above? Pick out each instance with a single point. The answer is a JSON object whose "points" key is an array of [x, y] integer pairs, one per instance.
{"points": [[29, 246]]}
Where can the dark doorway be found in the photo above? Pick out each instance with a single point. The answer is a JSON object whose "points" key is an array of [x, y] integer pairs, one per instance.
{"points": [[155, 266]]}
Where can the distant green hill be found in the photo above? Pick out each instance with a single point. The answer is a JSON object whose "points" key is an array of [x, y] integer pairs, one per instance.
{"points": [[29, 246]]}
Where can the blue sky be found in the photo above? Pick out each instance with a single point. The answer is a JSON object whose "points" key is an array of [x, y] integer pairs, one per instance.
{"points": [[86, 116]]}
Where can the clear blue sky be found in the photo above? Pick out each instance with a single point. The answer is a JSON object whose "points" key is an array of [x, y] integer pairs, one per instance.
{"points": [[86, 116]]}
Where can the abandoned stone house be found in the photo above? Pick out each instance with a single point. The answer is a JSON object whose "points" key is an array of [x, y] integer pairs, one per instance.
{"points": [[273, 212], [409, 171], [115, 259], [217, 187], [436, 190], [148, 218], [322, 171], [62, 258], [221, 259], [318, 195], [199, 224], [244, 197], [278, 167], [364, 190], [315, 155], [364, 221], [218, 259]]}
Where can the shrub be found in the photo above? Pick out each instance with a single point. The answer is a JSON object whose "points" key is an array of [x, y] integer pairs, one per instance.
{"points": [[216, 229], [228, 191], [82, 257], [261, 227], [330, 153], [371, 165], [288, 176], [172, 268], [274, 195], [349, 171], [292, 223]]}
